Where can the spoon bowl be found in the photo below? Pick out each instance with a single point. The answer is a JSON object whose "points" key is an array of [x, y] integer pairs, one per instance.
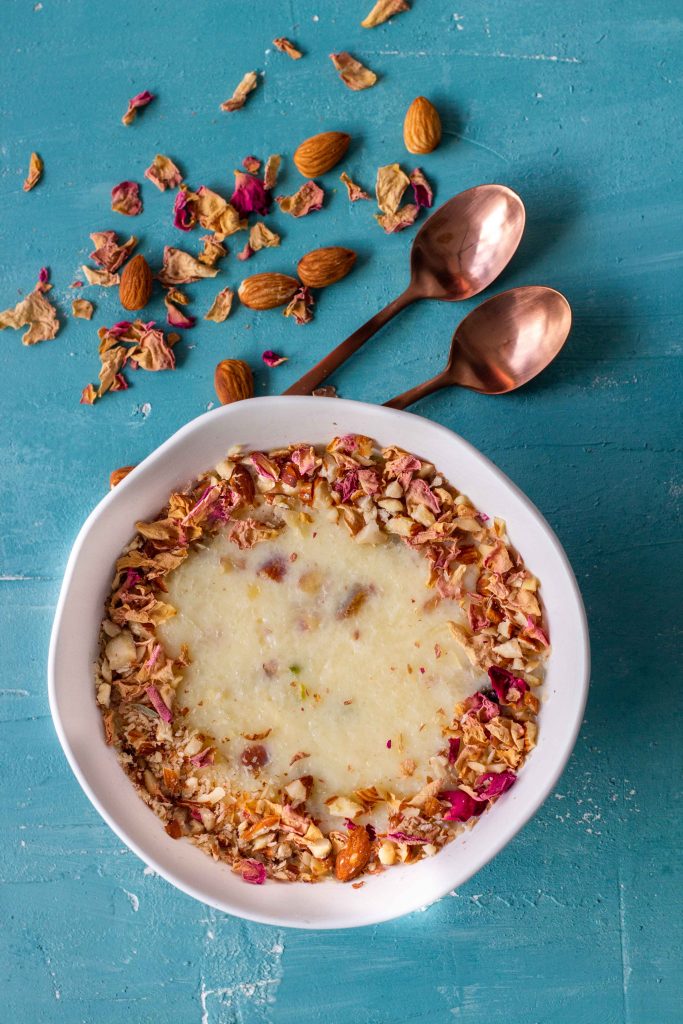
{"points": [[502, 344], [464, 246], [460, 250]]}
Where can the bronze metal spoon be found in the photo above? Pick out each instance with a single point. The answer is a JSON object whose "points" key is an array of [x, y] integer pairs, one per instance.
{"points": [[457, 253], [501, 344]]}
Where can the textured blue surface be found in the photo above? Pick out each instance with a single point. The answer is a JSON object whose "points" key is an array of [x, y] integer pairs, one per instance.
{"points": [[576, 105]]}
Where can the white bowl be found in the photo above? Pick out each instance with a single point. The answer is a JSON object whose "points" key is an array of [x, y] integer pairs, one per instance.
{"points": [[265, 423]]}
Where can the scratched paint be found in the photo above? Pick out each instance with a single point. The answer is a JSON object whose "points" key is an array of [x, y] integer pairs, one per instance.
{"points": [[579, 108]]}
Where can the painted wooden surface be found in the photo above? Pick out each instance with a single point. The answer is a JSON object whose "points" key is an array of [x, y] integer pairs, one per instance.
{"points": [[576, 105]]}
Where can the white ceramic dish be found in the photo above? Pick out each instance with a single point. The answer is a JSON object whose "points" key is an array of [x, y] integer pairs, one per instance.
{"points": [[266, 423]]}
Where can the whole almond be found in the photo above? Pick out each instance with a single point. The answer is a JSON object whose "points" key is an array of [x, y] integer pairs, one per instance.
{"points": [[321, 267], [117, 475], [422, 127], [233, 381], [320, 153], [266, 291], [136, 283], [355, 855]]}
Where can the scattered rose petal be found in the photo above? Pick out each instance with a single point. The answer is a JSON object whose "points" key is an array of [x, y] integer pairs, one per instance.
{"points": [[82, 309], [104, 278], [403, 218], [35, 172], [212, 251], [176, 317], [138, 343], [107, 252], [482, 706], [383, 10], [388, 744], [43, 284], [390, 186], [239, 97], [184, 214], [325, 391], [159, 704], [352, 72], [509, 688], [141, 100], [355, 191], [261, 237], [249, 196], [88, 395], [308, 198], [271, 171], [180, 267], [34, 312], [422, 190], [286, 47], [463, 806], [492, 784], [125, 198], [203, 758], [221, 306], [163, 173], [405, 837], [301, 306], [253, 872], [216, 214], [272, 359], [251, 164]]}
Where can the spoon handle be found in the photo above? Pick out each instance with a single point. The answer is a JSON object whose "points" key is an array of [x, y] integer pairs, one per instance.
{"points": [[421, 391], [341, 353]]}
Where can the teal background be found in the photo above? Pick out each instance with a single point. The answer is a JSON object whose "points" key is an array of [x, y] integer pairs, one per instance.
{"points": [[578, 107]]}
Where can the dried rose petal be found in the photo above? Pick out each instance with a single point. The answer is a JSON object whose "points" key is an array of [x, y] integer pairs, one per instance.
{"points": [[301, 306], [421, 493], [272, 359], [163, 173], [251, 164], [405, 837], [107, 252], [453, 749], [239, 97], [35, 172], [88, 395], [34, 312], [179, 267], [203, 758], [509, 688], [285, 46], [355, 191], [249, 196], [492, 784], [271, 170], [125, 198], [104, 278], [221, 306], [389, 188], [422, 190], [481, 705], [184, 213], [352, 72], [261, 237], [175, 316], [82, 309], [216, 214], [325, 391], [141, 100], [253, 871], [403, 218], [383, 10], [212, 251], [159, 704], [463, 806], [307, 199]]}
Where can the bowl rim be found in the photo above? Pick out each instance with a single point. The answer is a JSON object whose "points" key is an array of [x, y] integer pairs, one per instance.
{"points": [[508, 829]]}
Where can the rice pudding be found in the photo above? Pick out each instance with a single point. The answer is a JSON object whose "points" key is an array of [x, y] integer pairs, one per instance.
{"points": [[321, 661]]}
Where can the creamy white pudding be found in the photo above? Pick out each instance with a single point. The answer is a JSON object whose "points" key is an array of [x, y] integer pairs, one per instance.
{"points": [[312, 644]]}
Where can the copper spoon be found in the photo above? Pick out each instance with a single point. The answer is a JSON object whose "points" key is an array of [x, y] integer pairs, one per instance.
{"points": [[460, 250], [501, 344]]}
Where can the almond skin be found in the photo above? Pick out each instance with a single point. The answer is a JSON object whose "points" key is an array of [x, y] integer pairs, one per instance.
{"points": [[233, 381], [321, 267], [135, 287], [117, 475], [422, 127], [355, 855], [320, 153], [266, 291]]}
